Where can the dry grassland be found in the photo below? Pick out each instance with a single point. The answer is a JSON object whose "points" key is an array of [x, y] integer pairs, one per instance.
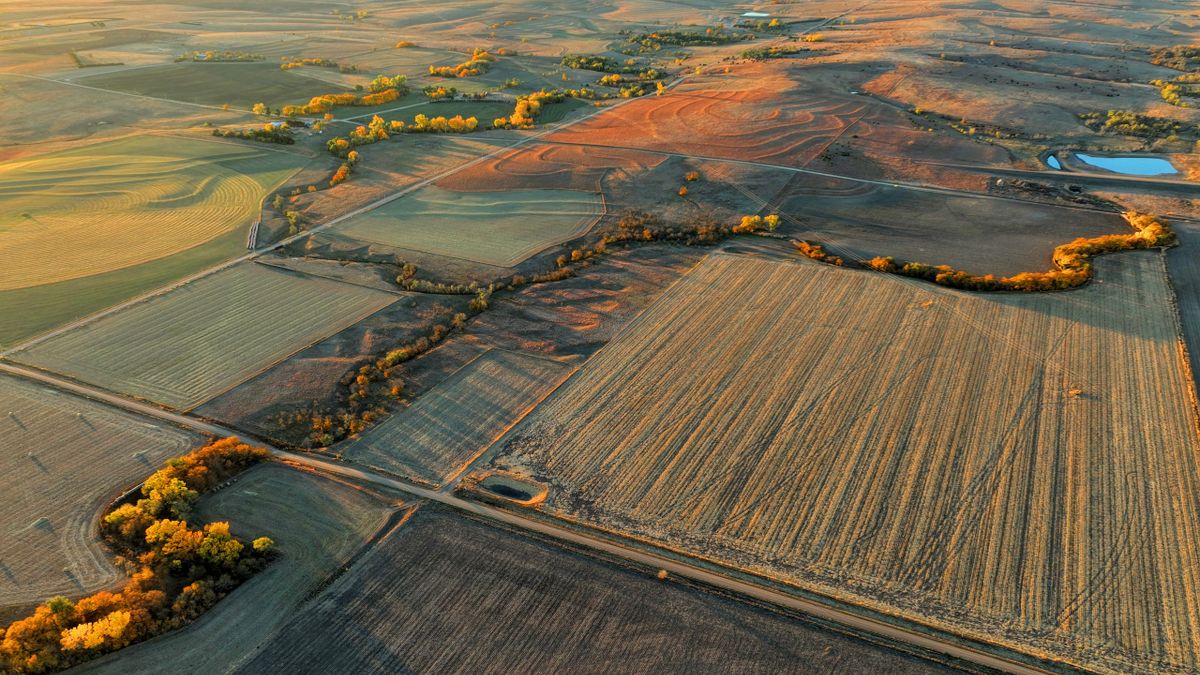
{"points": [[448, 594], [450, 425], [493, 228], [61, 460], [198, 340], [115, 205], [318, 525], [1021, 469]]}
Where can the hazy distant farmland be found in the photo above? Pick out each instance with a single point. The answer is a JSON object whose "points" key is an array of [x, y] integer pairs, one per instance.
{"points": [[494, 228], [238, 84], [185, 346], [318, 524], [1022, 467], [452, 423], [448, 594], [62, 457], [112, 205]]}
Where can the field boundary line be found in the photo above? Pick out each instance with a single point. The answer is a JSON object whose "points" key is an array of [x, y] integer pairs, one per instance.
{"points": [[304, 273], [297, 237], [289, 355], [568, 370], [69, 83], [648, 558]]}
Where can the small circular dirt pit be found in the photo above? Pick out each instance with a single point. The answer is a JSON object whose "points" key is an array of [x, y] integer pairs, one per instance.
{"points": [[524, 492]]}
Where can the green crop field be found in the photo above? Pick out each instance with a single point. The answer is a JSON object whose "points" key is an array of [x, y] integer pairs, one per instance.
{"points": [[494, 228], [444, 593], [61, 460], [241, 85], [448, 426], [1015, 467], [198, 340], [318, 525]]}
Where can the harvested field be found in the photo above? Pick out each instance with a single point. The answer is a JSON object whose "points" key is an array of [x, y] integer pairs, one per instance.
{"points": [[312, 376], [50, 45], [1017, 468], [1184, 267], [34, 310], [559, 167], [448, 594], [975, 233], [62, 460], [239, 84], [493, 228], [198, 340], [114, 205], [449, 426], [318, 524]]}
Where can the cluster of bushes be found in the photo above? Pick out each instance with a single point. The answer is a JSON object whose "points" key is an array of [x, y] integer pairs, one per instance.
{"points": [[384, 89], [442, 124], [479, 63], [439, 93], [762, 25], [643, 43], [267, 133], [1072, 261], [818, 253], [374, 382], [1182, 57], [625, 88], [1129, 123], [357, 15], [1174, 91], [597, 63], [343, 172], [752, 224], [290, 62], [527, 109], [218, 56], [178, 571], [765, 53], [604, 64]]}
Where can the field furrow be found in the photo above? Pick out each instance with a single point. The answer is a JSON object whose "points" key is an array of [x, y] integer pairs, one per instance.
{"points": [[1019, 468], [198, 340]]}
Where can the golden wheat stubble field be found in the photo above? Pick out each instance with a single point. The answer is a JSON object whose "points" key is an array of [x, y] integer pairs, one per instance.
{"points": [[447, 427], [62, 458], [1020, 469]]}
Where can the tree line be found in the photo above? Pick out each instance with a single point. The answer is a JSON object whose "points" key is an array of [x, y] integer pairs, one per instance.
{"points": [[1072, 261], [479, 63], [177, 570]]}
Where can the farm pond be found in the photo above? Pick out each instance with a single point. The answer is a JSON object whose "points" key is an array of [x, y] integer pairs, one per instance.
{"points": [[1129, 165]]}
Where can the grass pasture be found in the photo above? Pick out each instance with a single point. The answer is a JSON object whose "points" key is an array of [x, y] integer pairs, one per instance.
{"points": [[318, 525], [1018, 468], [62, 458], [458, 419], [118, 204], [493, 228], [189, 344], [444, 593], [241, 85]]}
